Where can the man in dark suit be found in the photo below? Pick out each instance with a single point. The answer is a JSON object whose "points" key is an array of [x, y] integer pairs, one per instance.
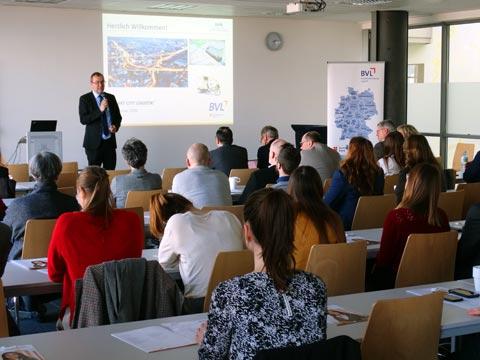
{"points": [[260, 178], [267, 136], [227, 156], [100, 114]]}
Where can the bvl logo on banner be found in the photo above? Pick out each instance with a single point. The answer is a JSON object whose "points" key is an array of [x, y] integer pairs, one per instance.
{"points": [[354, 102]]}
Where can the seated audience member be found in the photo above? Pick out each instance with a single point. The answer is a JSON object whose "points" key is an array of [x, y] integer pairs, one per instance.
{"points": [[267, 136], [287, 161], [316, 223], [5, 246], [163, 207], [135, 154], [200, 184], [227, 156], [7, 185], [472, 170], [318, 155], [417, 213], [407, 130], [417, 150], [44, 202], [359, 175], [191, 240], [274, 306], [3, 209], [260, 178], [96, 234], [394, 159], [383, 129], [468, 250]]}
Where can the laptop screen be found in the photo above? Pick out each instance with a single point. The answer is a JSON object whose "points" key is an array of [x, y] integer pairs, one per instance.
{"points": [[43, 125]]}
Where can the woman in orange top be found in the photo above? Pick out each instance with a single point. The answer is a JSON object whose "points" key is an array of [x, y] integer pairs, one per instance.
{"points": [[316, 223]]}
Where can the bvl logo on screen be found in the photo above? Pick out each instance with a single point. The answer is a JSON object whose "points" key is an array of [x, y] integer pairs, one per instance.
{"points": [[221, 106], [368, 74]]}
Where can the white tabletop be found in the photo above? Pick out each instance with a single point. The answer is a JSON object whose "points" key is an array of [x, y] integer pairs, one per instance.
{"points": [[372, 235], [97, 342], [25, 186]]}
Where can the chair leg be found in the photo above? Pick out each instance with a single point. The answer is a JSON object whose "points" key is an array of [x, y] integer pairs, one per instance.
{"points": [[16, 302]]}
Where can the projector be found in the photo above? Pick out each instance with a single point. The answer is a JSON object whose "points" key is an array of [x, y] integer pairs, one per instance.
{"points": [[305, 6]]}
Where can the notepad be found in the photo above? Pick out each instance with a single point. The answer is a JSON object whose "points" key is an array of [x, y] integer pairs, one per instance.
{"points": [[22, 352], [161, 337]]}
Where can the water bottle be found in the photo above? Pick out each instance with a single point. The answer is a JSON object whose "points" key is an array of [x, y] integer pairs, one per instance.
{"points": [[463, 161]]}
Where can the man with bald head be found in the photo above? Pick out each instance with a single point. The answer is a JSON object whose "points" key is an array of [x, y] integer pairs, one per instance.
{"points": [[262, 177], [200, 184]]}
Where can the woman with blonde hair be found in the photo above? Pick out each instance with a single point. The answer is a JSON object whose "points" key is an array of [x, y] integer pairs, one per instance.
{"points": [[191, 240], [359, 175], [407, 130], [96, 234], [417, 213], [315, 223]]}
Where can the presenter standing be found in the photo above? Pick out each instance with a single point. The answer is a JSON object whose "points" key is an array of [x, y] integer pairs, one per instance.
{"points": [[100, 114]]}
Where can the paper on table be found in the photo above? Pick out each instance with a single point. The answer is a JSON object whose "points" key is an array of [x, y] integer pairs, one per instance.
{"points": [[340, 316], [465, 304], [21, 352], [161, 337], [39, 264]]}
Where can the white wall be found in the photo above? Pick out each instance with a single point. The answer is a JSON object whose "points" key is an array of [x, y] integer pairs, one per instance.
{"points": [[47, 55]]}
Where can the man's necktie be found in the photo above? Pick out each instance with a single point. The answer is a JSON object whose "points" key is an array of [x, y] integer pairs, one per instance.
{"points": [[105, 130]]}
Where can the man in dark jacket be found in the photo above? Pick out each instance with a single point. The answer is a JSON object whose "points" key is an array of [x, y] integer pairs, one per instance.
{"points": [[227, 156]]}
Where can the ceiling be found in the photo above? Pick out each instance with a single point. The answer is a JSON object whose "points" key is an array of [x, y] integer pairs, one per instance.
{"points": [[335, 10]]}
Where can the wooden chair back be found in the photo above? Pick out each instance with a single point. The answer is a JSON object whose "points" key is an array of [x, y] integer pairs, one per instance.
{"points": [[19, 172], [341, 266], [67, 179], [407, 328], [70, 166], [452, 203], [68, 190], [3, 314], [36, 240], [140, 198], [236, 210], [427, 259], [326, 185], [390, 182], [457, 155], [113, 173], [472, 196], [228, 264], [371, 211], [242, 174], [167, 177]]}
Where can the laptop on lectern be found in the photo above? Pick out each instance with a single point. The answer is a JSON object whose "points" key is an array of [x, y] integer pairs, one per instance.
{"points": [[43, 125]]}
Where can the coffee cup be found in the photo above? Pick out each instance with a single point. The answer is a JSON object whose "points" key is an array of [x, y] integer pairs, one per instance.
{"points": [[233, 181], [476, 277]]}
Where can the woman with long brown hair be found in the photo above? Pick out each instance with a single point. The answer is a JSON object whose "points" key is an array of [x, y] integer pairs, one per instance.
{"points": [[91, 236], [417, 150], [316, 223], [394, 159], [273, 306], [359, 175], [418, 212]]}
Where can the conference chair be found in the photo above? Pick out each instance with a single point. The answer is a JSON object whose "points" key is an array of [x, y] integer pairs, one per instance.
{"points": [[167, 177], [407, 328], [459, 150], [427, 259], [67, 179], [113, 173], [326, 185], [389, 185], [3, 314], [19, 172], [70, 166], [371, 211], [228, 264], [68, 190], [340, 266], [236, 210], [242, 174], [36, 240], [140, 198], [452, 203], [472, 196]]}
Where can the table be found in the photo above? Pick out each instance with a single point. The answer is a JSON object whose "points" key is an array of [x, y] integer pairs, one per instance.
{"points": [[372, 235], [8, 201], [97, 343], [25, 186], [20, 281]]}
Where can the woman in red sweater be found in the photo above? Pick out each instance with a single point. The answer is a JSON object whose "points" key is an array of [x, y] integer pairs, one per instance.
{"points": [[96, 234], [418, 212]]}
